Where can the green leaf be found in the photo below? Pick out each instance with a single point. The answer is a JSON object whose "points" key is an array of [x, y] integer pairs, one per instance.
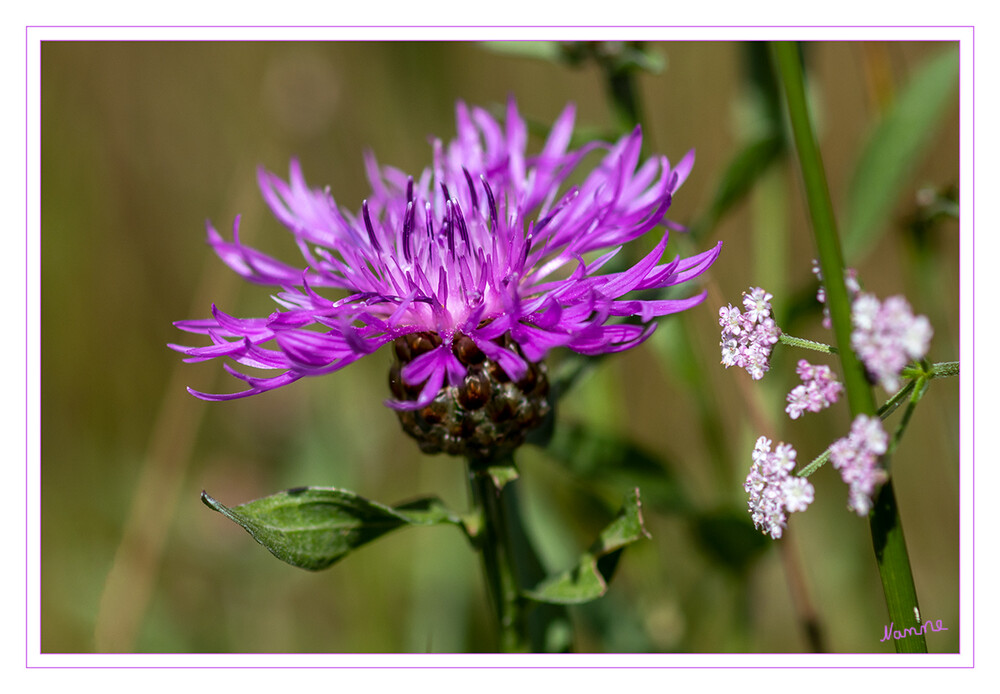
{"points": [[315, 527], [892, 151], [502, 475], [589, 579]]}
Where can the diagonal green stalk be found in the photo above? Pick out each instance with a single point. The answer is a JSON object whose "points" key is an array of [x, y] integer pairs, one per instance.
{"points": [[909, 391], [886, 526]]}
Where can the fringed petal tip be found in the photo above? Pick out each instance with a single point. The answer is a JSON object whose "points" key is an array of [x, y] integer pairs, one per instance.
{"points": [[613, 338], [683, 169], [192, 356], [222, 397], [257, 385], [403, 405]]}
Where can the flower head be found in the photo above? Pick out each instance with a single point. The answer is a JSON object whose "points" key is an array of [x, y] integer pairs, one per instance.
{"points": [[818, 390], [857, 456], [748, 338], [476, 269], [773, 491], [886, 336]]}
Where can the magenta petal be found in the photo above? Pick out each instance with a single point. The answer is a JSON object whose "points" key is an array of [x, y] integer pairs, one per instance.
{"points": [[621, 283], [311, 349], [434, 382], [647, 310], [683, 169], [418, 370], [511, 363]]}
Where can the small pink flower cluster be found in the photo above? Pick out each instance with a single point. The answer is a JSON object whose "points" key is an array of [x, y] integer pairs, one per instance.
{"points": [[773, 490], [850, 281], [748, 338], [887, 336], [857, 456], [818, 390]]}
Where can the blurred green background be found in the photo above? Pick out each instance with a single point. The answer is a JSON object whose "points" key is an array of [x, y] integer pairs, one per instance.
{"points": [[142, 142]]}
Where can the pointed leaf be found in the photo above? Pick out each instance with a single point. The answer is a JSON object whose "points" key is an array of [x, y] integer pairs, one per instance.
{"points": [[314, 527], [589, 579], [892, 151], [502, 475]]}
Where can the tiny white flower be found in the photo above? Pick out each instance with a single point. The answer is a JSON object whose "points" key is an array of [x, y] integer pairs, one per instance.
{"points": [[730, 353], [798, 494], [864, 311], [916, 337], [784, 457], [757, 303]]}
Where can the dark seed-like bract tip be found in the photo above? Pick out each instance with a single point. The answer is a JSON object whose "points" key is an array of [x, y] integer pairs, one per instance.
{"points": [[486, 415]]}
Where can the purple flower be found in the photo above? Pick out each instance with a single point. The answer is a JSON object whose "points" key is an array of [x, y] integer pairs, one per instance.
{"points": [[887, 336], [748, 338], [857, 456], [818, 390], [773, 491], [476, 269]]}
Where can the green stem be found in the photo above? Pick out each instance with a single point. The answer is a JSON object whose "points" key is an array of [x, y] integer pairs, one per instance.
{"points": [[807, 344], [494, 541], [831, 260], [887, 409], [886, 526], [919, 388], [942, 369], [921, 376]]}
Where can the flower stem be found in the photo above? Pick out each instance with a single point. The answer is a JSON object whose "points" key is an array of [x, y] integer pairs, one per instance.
{"points": [[806, 344], [942, 369], [492, 500], [886, 526], [887, 409]]}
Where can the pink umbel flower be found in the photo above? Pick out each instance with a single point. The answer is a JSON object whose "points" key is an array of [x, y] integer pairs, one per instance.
{"points": [[850, 282], [773, 491], [856, 456], [886, 336], [748, 338], [818, 391]]}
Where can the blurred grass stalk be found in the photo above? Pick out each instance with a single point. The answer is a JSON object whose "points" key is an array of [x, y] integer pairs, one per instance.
{"points": [[886, 526], [129, 585], [771, 259]]}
